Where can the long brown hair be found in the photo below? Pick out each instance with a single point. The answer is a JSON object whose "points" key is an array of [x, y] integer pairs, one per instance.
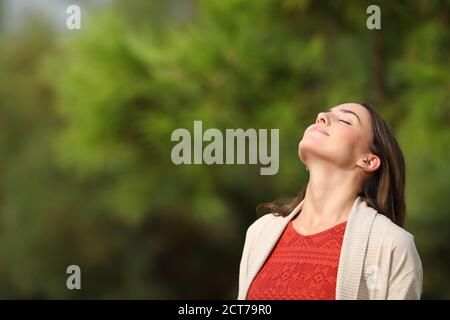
{"points": [[384, 190]]}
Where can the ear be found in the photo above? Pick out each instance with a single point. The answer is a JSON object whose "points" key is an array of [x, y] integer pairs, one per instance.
{"points": [[369, 163]]}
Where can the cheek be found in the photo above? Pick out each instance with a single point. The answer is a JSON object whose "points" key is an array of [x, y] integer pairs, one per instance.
{"points": [[346, 143]]}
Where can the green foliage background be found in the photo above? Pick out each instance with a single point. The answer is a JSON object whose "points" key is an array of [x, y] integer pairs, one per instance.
{"points": [[86, 117]]}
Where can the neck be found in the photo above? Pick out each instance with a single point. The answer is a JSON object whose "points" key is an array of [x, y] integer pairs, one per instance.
{"points": [[329, 197]]}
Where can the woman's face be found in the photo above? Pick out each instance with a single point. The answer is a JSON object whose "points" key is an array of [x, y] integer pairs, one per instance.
{"points": [[341, 135]]}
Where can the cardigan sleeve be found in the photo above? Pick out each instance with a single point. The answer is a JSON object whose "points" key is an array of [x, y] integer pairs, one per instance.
{"points": [[409, 287], [244, 262], [406, 273], [252, 231]]}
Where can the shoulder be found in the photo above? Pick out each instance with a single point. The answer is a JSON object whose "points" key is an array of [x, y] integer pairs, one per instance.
{"points": [[390, 232], [398, 242], [261, 222]]}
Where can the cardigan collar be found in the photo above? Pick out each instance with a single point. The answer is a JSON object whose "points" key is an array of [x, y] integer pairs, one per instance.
{"points": [[352, 254]]}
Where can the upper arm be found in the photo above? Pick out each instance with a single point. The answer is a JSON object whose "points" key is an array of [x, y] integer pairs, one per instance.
{"points": [[252, 230], [406, 277], [408, 287], [244, 259]]}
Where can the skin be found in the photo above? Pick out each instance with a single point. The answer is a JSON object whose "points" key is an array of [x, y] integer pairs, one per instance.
{"points": [[339, 162]]}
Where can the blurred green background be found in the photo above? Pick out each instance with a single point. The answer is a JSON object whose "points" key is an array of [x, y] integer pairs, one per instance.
{"points": [[86, 117]]}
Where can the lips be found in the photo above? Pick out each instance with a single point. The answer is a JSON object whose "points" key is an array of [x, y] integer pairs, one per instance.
{"points": [[319, 129]]}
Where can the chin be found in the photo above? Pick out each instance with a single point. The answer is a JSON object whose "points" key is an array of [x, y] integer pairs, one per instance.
{"points": [[306, 144], [302, 150], [312, 149]]}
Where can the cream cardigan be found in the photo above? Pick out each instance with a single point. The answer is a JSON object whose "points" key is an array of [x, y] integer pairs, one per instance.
{"points": [[378, 259]]}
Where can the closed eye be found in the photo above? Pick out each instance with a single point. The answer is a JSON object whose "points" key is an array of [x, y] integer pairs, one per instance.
{"points": [[345, 122]]}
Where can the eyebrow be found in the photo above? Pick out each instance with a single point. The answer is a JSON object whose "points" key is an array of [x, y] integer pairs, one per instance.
{"points": [[349, 111]]}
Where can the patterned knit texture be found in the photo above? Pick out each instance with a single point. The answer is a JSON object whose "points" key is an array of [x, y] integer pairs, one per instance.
{"points": [[300, 267]]}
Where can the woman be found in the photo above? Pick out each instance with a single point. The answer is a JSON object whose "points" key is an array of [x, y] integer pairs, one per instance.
{"points": [[342, 237]]}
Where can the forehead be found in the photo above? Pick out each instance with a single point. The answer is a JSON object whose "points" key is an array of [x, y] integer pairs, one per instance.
{"points": [[361, 111]]}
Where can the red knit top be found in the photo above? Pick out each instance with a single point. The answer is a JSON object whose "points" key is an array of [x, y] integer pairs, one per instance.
{"points": [[300, 267]]}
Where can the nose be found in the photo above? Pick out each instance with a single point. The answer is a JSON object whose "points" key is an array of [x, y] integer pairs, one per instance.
{"points": [[322, 118]]}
